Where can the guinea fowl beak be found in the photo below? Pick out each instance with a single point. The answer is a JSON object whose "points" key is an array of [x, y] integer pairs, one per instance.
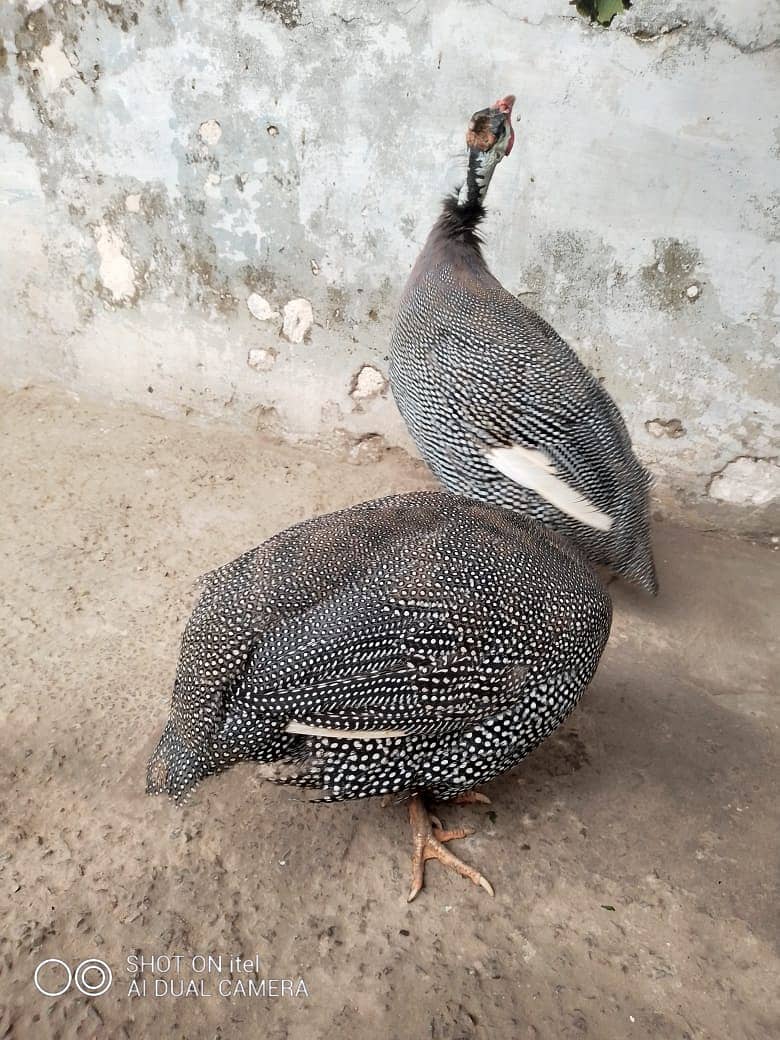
{"points": [[505, 105]]}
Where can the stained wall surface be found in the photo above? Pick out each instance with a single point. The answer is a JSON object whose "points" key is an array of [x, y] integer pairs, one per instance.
{"points": [[212, 208]]}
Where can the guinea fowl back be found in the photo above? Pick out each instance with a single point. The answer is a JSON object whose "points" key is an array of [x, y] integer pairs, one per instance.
{"points": [[412, 613], [502, 409]]}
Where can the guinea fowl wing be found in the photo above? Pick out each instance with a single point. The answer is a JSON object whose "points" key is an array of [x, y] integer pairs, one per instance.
{"points": [[393, 667], [567, 448]]}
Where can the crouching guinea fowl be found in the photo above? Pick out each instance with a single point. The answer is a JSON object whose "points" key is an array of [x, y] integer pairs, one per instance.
{"points": [[498, 404], [417, 646]]}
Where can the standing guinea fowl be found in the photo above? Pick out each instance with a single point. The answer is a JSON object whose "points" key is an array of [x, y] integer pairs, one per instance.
{"points": [[499, 405], [417, 645]]}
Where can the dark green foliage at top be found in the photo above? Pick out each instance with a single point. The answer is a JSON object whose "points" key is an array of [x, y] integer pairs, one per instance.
{"points": [[601, 11]]}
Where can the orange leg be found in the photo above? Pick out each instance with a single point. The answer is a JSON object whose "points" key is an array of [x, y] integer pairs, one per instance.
{"points": [[429, 838]]}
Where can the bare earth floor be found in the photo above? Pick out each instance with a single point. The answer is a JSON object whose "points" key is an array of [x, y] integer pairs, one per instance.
{"points": [[634, 855]]}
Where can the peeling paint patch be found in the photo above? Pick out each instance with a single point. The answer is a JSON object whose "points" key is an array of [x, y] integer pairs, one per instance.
{"points": [[298, 319], [260, 308], [211, 186], [133, 203], [668, 278], [367, 450], [665, 428], [210, 132], [262, 359], [116, 271], [54, 67], [368, 382], [22, 114], [747, 481], [287, 11]]}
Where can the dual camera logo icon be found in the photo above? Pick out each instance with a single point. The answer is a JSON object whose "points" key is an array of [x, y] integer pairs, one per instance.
{"points": [[54, 977]]}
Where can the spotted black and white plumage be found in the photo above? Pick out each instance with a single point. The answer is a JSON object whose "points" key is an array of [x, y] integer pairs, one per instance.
{"points": [[418, 643], [500, 407]]}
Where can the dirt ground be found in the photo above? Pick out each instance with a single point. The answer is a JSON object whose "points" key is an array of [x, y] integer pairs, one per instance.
{"points": [[634, 856]]}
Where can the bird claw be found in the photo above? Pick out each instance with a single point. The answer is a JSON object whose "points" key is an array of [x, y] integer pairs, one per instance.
{"points": [[429, 843], [471, 798], [440, 834]]}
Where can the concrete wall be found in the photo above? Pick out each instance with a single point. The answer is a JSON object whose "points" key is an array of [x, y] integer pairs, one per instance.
{"points": [[174, 174]]}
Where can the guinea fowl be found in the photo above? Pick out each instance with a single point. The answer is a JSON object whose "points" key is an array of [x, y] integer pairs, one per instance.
{"points": [[417, 645], [498, 404]]}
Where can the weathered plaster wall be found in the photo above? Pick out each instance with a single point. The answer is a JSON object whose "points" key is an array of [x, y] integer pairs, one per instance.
{"points": [[213, 207]]}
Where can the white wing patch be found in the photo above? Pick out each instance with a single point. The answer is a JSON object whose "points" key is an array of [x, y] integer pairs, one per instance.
{"points": [[349, 734], [533, 469]]}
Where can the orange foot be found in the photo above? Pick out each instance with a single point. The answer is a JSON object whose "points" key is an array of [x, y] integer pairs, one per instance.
{"points": [[429, 838]]}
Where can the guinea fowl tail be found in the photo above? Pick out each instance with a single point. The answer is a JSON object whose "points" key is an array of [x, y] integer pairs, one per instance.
{"points": [[641, 569]]}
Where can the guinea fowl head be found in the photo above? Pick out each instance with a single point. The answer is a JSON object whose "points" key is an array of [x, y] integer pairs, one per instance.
{"points": [[490, 130], [174, 768], [198, 741], [177, 767], [489, 138]]}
